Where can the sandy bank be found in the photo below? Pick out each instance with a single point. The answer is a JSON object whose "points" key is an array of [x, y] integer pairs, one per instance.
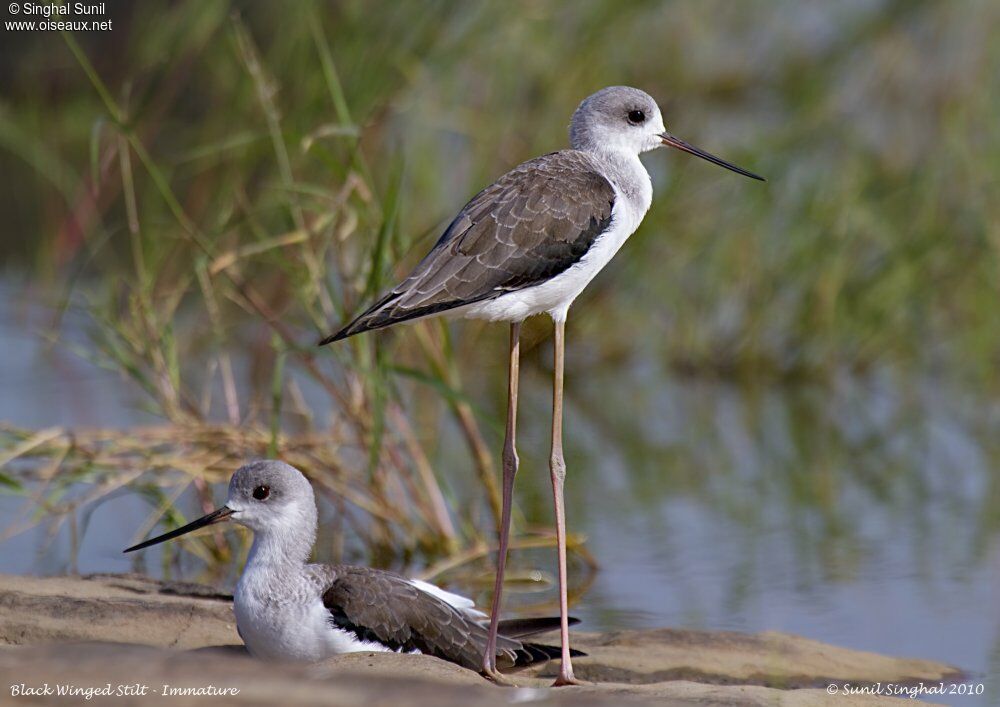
{"points": [[84, 631]]}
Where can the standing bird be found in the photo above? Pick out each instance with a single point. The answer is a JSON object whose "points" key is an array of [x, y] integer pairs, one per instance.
{"points": [[291, 611], [528, 244]]}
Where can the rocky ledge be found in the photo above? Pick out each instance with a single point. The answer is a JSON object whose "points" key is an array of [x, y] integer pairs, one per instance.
{"points": [[128, 638]]}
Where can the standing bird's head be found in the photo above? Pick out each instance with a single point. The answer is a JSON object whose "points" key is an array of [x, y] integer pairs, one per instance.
{"points": [[625, 119]]}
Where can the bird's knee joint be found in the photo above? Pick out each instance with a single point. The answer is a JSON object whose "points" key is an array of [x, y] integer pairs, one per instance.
{"points": [[557, 465], [510, 459]]}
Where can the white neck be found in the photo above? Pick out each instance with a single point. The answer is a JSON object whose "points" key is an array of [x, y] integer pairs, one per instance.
{"points": [[287, 546], [628, 174], [271, 549]]}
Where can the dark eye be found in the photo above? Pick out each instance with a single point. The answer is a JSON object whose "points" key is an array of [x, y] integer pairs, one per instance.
{"points": [[636, 116], [261, 492]]}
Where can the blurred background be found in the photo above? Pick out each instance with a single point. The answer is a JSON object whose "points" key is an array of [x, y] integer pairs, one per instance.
{"points": [[782, 399]]}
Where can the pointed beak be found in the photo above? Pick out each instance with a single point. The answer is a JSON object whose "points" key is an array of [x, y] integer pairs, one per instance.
{"points": [[672, 141], [217, 516]]}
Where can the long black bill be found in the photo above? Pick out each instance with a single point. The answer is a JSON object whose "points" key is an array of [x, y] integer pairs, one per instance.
{"points": [[669, 139], [216, 516]]}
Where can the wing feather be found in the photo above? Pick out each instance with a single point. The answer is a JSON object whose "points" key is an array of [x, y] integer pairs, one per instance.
{"points": [[382, 607]]}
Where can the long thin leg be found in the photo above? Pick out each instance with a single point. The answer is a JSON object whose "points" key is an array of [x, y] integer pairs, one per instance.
{"points": [[509, 471], [557, 468]]}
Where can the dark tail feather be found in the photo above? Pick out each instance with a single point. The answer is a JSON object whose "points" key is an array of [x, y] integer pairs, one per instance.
{"points": [[380, 316], [519, 628], [362, 322], [342, 334], [531, 653]]}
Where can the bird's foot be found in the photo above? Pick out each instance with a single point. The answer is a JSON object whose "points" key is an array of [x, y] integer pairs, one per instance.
{"points": [[495, 676], [566, 677]]}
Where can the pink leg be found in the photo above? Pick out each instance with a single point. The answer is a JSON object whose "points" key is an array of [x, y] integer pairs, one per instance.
{"points": [[557, 468], [509, 471]]}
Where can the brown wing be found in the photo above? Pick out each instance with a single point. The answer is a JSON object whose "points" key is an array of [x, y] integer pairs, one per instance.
{"points": [[530, 225], [382, 607]]}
